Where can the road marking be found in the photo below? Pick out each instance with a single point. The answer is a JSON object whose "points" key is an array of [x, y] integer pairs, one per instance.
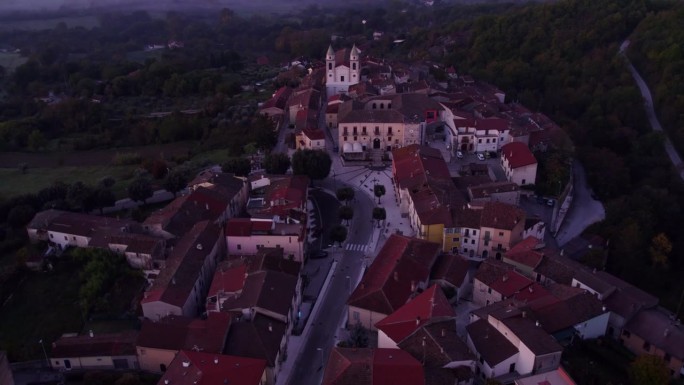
{"points": [[355, 247]]}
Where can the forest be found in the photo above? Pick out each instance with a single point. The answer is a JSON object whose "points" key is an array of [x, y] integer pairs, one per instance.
{"points": [[560, 58]]}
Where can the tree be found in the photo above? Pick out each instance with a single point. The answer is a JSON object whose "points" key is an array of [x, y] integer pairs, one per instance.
{"points": [[140, 190], [129, 379], [379, 214], [20, 216], [81, 197], [237, 166], [660, 250], [358, 337], [104, 198], [276, 163], [338, 234], [345, 213], [345, 194], [36, 140], [107, 182], [175, 181], [379, 191], [649, 369], [313, 163]]}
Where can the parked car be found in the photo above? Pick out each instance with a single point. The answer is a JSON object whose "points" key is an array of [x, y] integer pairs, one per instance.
{"points": [[550, 202], [318, 254], [459, 154], [541, 200], [480, 156]]}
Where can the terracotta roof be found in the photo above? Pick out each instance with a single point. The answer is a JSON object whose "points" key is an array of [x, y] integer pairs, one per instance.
{"points": [[347, 366], [284, 193], [534, 337], [501, 215], [314, 133], [394, 366], [415, 313], [401, 263], [510, 283], [491, 345], [414, 161], [269, 290], [372, 116], [497, 124], [279, 99], [259, 338], [178, 332], [184, 265], [114, 344], [488, 189], [656, 326], [570, 312], [266, 258], [450, 268], [201, 368], [228, 280], [517, 154], [437, 343], [246, 227], [77, 223], [526, 252], [308, 97], [491, 270]]}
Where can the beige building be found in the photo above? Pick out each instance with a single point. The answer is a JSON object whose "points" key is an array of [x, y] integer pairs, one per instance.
{"points": [[91, 351], [519, 163]]}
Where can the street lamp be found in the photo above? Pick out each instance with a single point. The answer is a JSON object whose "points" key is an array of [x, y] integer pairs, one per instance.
{"points": [[47, 362], [349, 284], [320, 350]]}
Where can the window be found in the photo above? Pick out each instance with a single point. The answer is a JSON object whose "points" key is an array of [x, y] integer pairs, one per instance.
{"points": [[355, 131], [523, 181], [341, 78], [375, 106], [377, 130], [489, 290], [356, 138], [501, 233], [52, 235], [479, 140], [382, 106], [345, 138], [356, 315], [354, 66], [329, 75], [363, 130], [239, 247], [647, 346], [389, 105], [474, 232], [389, 130], [345, 131], [467, 232], [455, 240], [329, 66], [66, 238], [472, 241]]}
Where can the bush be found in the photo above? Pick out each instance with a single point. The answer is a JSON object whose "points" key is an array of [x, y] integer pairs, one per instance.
{"points": [[126, 158]]}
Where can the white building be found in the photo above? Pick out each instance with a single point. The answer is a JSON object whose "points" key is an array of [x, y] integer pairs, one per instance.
{"points": [[343, 69], [519, 163]]}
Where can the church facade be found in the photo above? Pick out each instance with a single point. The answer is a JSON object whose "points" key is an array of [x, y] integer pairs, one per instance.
{"points": [[343, 69]]}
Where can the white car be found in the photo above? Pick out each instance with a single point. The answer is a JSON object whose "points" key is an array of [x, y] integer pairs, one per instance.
{"points": [[459, 154], [480, 156]]}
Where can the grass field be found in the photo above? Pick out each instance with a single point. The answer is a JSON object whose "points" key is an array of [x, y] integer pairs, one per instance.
{"points": [[42, 306], [11, 60], [13, 182]]}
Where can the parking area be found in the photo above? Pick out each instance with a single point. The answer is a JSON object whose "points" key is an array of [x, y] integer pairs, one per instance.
{"points": [[456, 163]]}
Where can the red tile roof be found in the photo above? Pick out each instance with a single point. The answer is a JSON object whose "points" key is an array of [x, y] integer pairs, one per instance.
{"points": [[526, 252], [245, 227], [510, 283], [178, 332], [314, 133], [350, 366], [501, 215], [390, 281], [517, 154], [228, 280], [412, 164], [450, 268], [114, 344], [395, 366], [201, 368], [498, 124], [415, 313]]}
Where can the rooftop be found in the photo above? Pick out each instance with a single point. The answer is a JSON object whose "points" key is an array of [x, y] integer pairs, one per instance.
{"points": [[517, 154], [99, 345], [201, 368]]}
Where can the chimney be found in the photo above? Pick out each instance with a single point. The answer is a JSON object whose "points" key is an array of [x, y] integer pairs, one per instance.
{"points": [[505, 277], [524, 314], [216, 360], [166, 382], [206, 206], [603, 308], [396, 276], [186, 364], [413, 286], [270, 327], [91, 334], [666, 332], [443, 332], [537, 324], [530, 289], [417, 320]]}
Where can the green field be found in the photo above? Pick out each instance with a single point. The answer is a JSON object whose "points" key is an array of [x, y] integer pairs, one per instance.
{"points": [[11, 60], [13, 182]]}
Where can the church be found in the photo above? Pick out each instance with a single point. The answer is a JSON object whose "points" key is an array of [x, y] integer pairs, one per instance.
{"points": [[343, 69]]}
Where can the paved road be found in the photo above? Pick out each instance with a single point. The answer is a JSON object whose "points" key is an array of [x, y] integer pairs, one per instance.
{"points": [[309, 370], [674, 156]]}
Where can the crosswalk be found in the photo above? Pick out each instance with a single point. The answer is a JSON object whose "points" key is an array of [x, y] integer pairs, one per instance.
{"points": [[356, 247]]}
